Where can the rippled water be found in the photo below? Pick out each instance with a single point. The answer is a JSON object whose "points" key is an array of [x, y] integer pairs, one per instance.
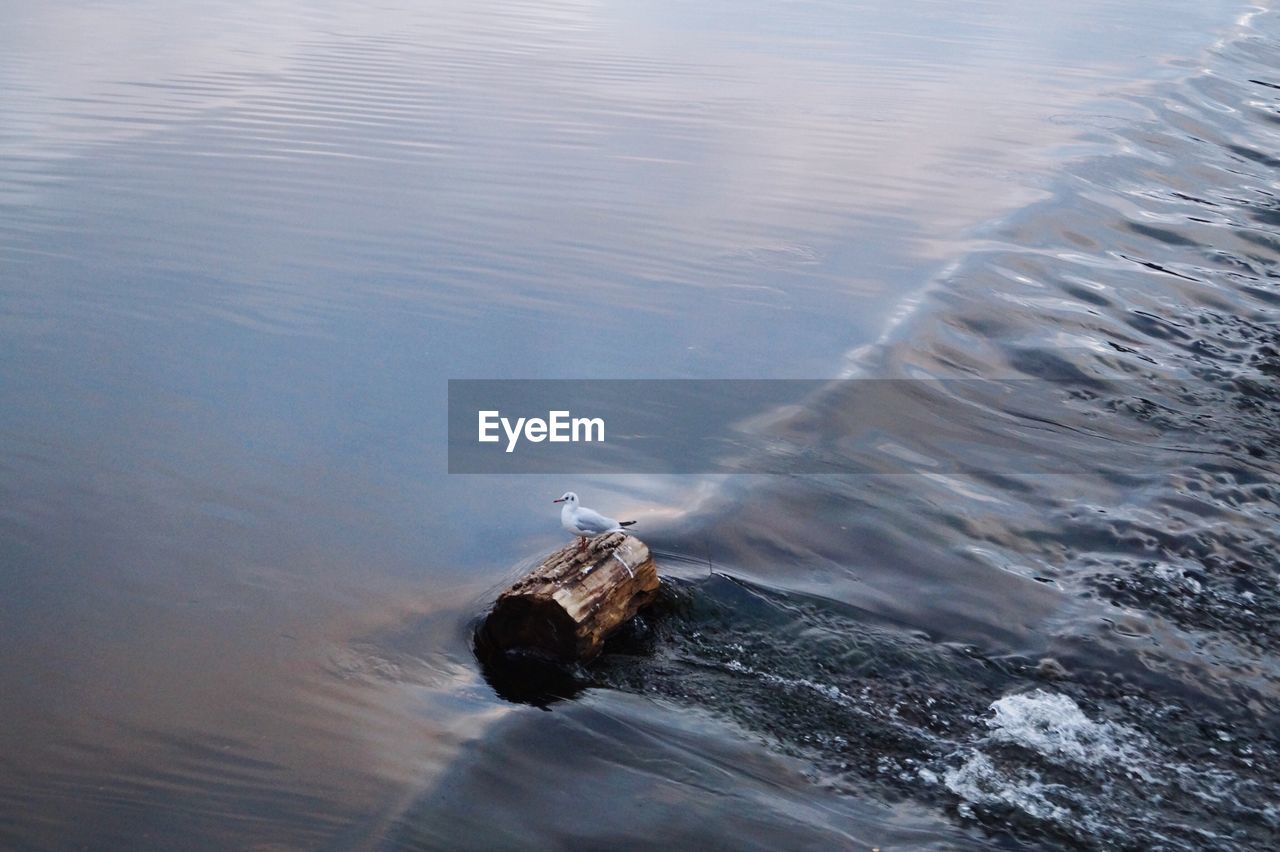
{"points": [[243, 247]]}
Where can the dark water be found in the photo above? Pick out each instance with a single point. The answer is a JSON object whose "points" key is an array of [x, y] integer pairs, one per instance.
{"points": [[242, 248]]}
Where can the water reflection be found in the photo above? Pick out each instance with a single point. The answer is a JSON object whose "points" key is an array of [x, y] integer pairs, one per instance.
{"points": [[241, 251]]}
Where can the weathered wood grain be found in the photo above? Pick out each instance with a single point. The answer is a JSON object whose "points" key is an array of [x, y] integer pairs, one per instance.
{"points": [[565, 608]]}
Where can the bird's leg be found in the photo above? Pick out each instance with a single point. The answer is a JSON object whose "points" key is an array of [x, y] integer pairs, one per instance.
{"points": [[582, 543]]}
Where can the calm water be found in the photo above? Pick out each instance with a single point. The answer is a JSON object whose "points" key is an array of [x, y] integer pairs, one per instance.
{"points": [[244, 246]]}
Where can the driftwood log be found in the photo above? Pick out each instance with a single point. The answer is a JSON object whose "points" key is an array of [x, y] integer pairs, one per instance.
{"points": [[566, 607]]}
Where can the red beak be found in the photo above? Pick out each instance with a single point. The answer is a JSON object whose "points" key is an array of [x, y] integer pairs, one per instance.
{"points": [[561, 500]]}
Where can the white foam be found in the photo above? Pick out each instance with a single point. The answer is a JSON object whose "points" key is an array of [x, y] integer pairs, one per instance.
{"points": [[979, 781], [827, 691], [1176, 576], [1055, 726]]}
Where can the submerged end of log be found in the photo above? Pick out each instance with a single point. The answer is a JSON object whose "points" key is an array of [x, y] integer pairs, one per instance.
{"points": [[565, 608]]}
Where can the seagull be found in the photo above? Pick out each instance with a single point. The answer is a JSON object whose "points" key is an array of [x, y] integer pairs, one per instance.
{"points": [[584, 522]]}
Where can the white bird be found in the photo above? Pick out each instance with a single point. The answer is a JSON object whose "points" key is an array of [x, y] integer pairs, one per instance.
{"points": [[584, 522]]}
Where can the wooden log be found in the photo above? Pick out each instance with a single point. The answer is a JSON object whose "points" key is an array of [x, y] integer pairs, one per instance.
{"points": [[566, 607]]}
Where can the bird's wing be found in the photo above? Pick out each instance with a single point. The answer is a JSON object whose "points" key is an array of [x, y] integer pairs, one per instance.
{"points": [[594, 522]]}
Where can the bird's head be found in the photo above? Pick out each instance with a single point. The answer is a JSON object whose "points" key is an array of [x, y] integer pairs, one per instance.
{"points": [[568, 497]]}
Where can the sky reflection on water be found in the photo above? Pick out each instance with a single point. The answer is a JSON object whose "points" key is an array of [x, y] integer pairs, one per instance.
{"points": [[242, 250]]}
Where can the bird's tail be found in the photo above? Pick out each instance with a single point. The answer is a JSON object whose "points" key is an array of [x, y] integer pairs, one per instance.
{"points": [[625, 523]]}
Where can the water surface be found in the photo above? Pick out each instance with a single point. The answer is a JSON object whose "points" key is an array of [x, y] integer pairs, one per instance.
{"points": [[242, 249]]}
